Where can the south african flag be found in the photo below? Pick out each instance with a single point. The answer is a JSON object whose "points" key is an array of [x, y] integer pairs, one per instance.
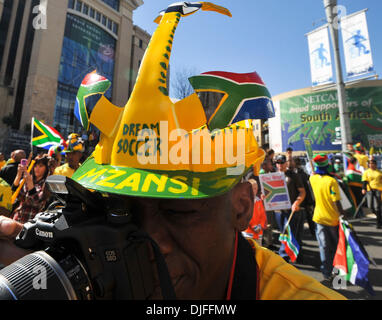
{"points": [[44, 136], [92, 84], [292, 247]]}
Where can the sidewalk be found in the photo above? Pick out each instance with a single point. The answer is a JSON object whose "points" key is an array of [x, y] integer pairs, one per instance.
{"points": [[371, 238]]}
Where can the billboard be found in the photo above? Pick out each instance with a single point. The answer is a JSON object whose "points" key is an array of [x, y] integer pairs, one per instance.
{"points": [[320, 58], [357, 51], [315, 116]]}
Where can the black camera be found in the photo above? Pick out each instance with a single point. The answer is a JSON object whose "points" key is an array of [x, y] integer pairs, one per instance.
{"points": [[84, 247]]}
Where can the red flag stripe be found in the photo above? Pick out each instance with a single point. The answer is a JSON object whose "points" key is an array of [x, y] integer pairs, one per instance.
{"points": [[251, 77], [340, 261]]}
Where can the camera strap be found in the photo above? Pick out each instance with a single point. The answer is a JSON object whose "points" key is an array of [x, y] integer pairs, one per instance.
{"points": [[245, 277], [168, 292]]}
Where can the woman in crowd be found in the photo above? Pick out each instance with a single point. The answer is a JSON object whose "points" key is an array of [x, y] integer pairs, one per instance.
{"points": [[33, 196]]}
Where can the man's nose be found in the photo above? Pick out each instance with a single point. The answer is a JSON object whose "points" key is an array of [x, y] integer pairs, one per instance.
{"points": [[158, 230]]}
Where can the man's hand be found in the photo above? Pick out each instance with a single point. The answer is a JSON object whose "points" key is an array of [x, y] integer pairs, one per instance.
{"points": [[9, 229], [363, 191], [295, 206]]}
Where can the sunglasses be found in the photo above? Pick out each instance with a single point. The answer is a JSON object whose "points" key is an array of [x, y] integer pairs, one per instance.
{"points": [[280, 162]]}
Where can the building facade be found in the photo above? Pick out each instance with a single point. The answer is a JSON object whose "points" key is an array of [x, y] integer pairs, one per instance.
{"points": [[48, 46]]}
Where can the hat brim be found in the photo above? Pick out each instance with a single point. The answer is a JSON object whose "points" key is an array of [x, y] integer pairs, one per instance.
{"points": [[155, 183]]}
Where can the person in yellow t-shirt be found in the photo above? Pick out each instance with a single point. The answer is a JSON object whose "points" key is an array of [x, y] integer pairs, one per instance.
{"points": [[73, 153], [372, 187], [327, 212], [360, 155]]}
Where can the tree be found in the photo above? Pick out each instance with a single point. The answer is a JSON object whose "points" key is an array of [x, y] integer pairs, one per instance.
{"points": [[180, 86]]}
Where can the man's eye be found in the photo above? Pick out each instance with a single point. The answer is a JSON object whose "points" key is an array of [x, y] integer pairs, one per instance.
{"points": [[178, 212]]}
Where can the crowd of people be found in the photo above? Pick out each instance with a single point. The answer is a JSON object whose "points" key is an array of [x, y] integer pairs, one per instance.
{"points": [[314, 192], [315, 198], [26, 177]]}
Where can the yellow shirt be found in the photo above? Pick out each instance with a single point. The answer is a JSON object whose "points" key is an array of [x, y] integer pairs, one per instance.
{"points": [[280, 280], [64, 170], [326, 192], [374, 177], [362, 159], [2, 163], [5, 195]]}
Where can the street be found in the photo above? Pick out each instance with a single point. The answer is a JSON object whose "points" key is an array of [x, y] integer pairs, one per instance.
{"points": [[371, 238]]}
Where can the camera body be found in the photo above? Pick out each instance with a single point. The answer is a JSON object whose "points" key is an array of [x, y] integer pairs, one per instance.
{"points": [[82, 249]]}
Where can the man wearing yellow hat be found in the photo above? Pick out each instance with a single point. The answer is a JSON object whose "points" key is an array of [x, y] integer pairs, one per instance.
{"points": [[73, 151], [179, 170]]}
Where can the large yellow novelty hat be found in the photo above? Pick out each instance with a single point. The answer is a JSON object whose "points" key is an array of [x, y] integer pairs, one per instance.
{"points": [[156, 148]]}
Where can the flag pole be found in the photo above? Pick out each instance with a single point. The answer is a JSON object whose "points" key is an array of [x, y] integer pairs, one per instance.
{"points": [[290, 218], [32, 126]]}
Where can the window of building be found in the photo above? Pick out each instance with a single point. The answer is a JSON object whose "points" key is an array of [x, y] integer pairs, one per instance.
{"points": [[4, 25], [112, 3], [140, 43], [115, 28], [93, 14], [85, 9], [79, 6]]}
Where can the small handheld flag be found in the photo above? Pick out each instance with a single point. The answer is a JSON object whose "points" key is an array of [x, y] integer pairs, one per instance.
{"points": [[292, 247], [351, 257], [44, 136]]}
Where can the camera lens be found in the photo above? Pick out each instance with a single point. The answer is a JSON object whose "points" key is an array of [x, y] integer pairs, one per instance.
{"points": [[38, 276]]}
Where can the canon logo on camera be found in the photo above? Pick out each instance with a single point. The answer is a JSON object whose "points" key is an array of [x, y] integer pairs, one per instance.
{"points": [[44, 234]]}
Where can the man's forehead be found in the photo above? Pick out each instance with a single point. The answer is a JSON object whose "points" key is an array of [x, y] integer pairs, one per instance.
{"points": [[175, 203]]}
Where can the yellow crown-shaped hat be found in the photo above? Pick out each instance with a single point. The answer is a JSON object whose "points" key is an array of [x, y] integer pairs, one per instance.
{"points": [[156, 148]]}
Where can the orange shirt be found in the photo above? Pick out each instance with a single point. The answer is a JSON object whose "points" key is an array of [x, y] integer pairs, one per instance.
{"points": [[258, 221]]}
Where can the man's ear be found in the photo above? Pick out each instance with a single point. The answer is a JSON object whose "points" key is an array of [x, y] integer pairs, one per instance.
{"points": [[242, 205]]}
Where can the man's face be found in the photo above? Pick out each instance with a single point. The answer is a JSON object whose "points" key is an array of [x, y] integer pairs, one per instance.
{"points": [[196, 238], [373, 165], [281, 166], [73, 158]]}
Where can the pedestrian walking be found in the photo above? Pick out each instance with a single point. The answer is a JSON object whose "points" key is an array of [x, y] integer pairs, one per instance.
{"points": [[308, 204], [372, 187], [297, 194], [327, 212]]}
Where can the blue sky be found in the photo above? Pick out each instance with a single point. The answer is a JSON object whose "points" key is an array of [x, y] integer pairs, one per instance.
{"points": [[263, 36]]}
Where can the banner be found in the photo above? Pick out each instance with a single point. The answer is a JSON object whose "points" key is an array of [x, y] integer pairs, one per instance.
{"points": [[273, 186], [320, 58], [357, 50], [316, 116]]}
